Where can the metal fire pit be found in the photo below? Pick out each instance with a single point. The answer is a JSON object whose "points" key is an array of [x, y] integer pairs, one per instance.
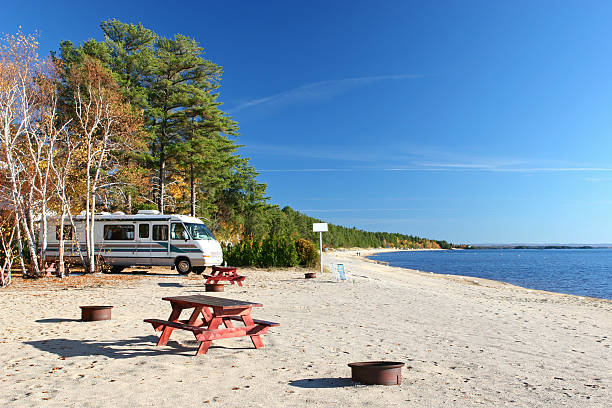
{"points": [[377, 372], [310, 275], [95, 313], [215, 287]]}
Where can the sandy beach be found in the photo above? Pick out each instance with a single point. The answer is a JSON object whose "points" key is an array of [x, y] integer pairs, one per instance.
{"points": [[465, 342]]}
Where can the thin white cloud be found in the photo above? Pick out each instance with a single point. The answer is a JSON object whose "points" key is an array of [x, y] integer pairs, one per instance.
{"points": [[343, 153], [508, 166], [317, 90], [458, 165], [400, 155], [413, 159]]}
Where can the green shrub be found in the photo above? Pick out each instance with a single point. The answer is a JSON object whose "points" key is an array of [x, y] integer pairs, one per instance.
{"points": [[287, 254], [245, 253], [267, 257], [250, 251], [272, 251], [307, 253]]}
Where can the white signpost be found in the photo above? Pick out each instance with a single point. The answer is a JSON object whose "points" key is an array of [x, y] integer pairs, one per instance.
{"points": [[320, 227]]}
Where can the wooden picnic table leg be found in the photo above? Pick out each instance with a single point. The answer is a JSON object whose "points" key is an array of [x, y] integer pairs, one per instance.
{"points": [[248, 321], [235, 276], [165, 336], [195, 320], [207, 316], [205, 345]]}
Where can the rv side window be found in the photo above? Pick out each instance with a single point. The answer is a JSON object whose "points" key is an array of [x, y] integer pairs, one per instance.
{"points": [[143, 230], [160, 232], [67, 232], [118, 232], [178, 231]]}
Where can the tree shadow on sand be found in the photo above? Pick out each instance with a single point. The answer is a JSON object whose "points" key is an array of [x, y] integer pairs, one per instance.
{"points": [[140, 346], [170, 285], [323, 383], [57, 320]]}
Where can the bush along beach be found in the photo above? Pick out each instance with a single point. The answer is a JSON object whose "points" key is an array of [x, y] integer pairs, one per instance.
{"points": [[270, 252]]}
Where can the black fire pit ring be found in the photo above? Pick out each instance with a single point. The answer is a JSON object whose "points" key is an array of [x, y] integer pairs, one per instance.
{"points": [[310, 275], [95, 313], [377, 372]]}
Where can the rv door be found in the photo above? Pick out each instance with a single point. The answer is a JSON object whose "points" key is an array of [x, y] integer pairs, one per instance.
{"points": [[142, 250], [160, 247]]}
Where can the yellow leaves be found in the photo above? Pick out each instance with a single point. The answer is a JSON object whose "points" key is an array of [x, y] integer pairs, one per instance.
{"points": [[179, 189]]}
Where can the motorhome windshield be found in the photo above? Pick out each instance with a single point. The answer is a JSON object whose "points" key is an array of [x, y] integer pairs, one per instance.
{"points": [[199, 231]]}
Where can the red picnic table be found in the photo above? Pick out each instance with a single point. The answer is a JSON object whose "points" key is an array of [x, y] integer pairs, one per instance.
{"points": [[224, 273], [208, 314]]}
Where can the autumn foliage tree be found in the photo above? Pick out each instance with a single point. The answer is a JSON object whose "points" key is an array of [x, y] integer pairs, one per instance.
{"points": [[106, 126], [28, 102], [62, 129]]}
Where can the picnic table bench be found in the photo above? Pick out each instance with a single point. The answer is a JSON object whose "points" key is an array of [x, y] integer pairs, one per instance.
{"points": [[224, 273], [208, 314], [51, 269]]}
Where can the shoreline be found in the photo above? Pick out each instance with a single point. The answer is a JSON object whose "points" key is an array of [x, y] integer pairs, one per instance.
{"points": [[474, 279]]}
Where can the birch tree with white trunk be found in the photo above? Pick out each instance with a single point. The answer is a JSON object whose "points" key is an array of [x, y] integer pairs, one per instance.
{"points": [[8, 235], [24, 107], [105, 123]]}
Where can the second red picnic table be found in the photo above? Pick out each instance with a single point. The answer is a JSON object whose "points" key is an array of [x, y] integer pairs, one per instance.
{"points": [[224, 273], [208, 314]]}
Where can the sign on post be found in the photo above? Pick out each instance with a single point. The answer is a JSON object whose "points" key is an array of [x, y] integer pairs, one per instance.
{"points": [[320, 227]]}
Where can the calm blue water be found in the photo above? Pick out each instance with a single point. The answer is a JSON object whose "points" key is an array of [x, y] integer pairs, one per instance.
{"points": [[584, 272]]}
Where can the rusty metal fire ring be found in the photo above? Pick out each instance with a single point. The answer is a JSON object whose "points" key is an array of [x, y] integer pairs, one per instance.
{"points": [[215, 287], [377, 372], [95, 313], [310, 275]]}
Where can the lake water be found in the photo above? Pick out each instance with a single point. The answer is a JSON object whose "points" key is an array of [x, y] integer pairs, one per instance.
{"points": [[584, 272]]}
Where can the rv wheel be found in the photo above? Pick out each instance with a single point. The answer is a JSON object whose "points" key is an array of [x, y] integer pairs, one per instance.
{"points": [[183, 266]]}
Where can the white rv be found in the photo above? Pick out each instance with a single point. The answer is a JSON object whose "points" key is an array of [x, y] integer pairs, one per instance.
{"points": [[147, 238]]}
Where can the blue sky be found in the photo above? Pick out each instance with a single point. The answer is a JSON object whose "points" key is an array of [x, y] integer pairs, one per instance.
{"points": [[470, 121]]}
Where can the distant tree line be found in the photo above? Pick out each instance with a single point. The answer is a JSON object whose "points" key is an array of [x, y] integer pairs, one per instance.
{"points": [[466, 246], [287, 222]]}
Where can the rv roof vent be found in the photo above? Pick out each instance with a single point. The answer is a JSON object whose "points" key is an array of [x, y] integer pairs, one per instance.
{"points": [[118, 213], [149, 212]]}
